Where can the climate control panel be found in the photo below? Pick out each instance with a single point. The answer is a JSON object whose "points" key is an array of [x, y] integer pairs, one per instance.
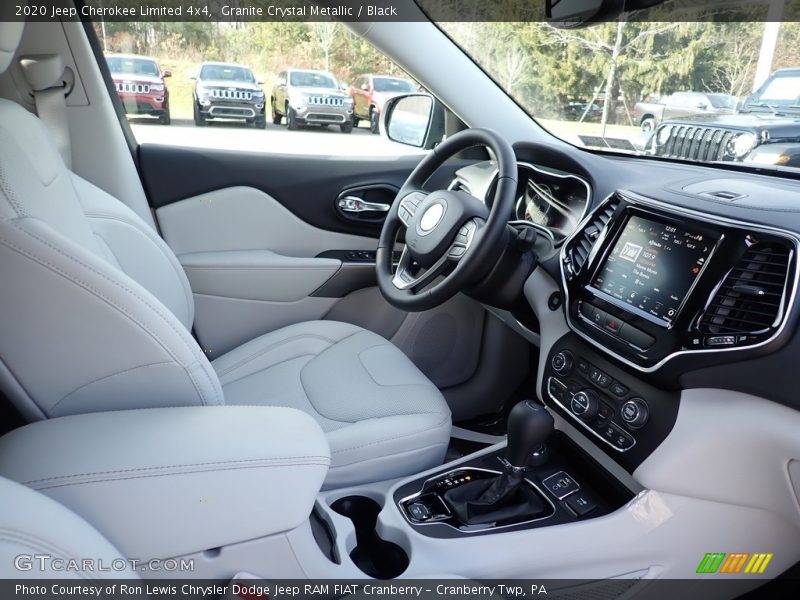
{"points": [[623, 414]]}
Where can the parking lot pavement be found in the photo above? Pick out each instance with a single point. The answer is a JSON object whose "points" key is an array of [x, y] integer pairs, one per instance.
{"points": [[274, 139]]}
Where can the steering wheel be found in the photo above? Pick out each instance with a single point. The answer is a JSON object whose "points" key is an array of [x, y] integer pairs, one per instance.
{"points": [[448, 233]]}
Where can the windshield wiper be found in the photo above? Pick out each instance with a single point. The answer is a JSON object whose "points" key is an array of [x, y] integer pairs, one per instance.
{"points": [[762, 105]]}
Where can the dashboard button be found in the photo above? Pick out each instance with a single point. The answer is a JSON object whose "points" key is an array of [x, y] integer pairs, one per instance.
{"points": [[585, 404], [557, 389], [562, 362], [634, 413], [604, 414], [720, 340], [587, 310], [561, 485], [581, 504], [618, 389], [619, 437], [612, 324], [583, 366], [636, 336], [599, 378]]}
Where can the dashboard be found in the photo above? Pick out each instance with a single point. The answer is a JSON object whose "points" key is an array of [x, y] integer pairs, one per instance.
{"points": [[664, 285]]}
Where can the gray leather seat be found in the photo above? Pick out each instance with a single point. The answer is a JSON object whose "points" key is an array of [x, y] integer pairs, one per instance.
{"points": [[97, 312]]}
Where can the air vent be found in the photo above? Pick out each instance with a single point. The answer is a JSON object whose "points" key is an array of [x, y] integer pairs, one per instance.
{"points": [[750, 299], [459, 185], [581, 246]]}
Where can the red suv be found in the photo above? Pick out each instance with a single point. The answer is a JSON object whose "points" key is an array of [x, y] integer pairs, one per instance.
{"points": [[371, 92], [140, 85]]}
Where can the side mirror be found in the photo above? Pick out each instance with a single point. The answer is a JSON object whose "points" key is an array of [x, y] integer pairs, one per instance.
{"points": [[192, 76], [344, 87], [166, 74], [280, 82], [415, 120], [702, 105], [259, 82], [365, 87]]}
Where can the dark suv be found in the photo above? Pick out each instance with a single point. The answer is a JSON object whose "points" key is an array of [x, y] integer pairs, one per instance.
{"points": [[228, 91], [140, 85], [766, 130]]}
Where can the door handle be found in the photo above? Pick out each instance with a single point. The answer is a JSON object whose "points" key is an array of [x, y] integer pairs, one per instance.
{"points": [[354, 204]]}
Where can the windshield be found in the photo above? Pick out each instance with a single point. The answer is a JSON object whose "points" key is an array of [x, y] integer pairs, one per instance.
{"points": [[227, 73], [779, 91], [390, 84], [309, 79], [599, 86], [132, 66]]}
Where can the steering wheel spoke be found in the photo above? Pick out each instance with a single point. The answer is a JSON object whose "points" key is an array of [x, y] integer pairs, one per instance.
{"points": [[403, 278], [408, 206]]}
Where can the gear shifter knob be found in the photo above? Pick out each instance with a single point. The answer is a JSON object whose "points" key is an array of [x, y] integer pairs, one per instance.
{"points": [[529, 426]]}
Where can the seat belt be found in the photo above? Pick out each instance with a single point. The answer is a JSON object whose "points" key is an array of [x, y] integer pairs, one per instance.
{"points": [[45, 74]]}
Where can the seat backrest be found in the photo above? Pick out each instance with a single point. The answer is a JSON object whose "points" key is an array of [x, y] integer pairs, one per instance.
{"points": [[41, 539], [95, 310]]}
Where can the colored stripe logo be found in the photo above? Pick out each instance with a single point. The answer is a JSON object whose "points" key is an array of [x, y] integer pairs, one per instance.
{"points": [[734, 563]]}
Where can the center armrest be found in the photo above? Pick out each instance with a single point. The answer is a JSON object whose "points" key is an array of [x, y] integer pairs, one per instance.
{"points": [[170, 481]]}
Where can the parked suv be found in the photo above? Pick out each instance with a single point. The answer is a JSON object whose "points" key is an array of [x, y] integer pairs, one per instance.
{"points": [[140, 85], [371, 92], [228, 91], [766, 130], [306, 97]]}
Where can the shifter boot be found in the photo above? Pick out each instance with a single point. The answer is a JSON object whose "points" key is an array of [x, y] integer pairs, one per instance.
{"points": [[493, 500]]}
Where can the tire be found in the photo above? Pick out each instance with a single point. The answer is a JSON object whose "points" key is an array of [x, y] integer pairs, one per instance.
{"points": [[291, 119], [199, 119], [374, 121], [276, 118], [346, 127], [648, 124], [356, 120], [165, 118], [260, 123]]}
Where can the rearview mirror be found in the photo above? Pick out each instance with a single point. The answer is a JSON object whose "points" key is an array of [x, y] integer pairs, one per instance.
{"points": [[573, 14], [415, 120]]}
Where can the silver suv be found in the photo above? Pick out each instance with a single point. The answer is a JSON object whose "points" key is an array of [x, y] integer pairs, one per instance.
{"points": [[310, 98]]}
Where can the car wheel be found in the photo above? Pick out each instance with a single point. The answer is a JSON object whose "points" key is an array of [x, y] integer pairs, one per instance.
{"points": [[374, 121], [165, 118], [276, 118], [260, 123], [356, 120], [346, 127], [291, 119], [648, 124], [199, 119]]}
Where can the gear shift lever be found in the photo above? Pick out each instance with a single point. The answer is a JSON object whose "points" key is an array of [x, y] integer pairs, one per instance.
{"points": [[507, 496], [529, 426]]}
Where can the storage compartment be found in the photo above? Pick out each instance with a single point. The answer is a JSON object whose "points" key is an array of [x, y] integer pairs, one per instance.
{"points": [[376, 557]]}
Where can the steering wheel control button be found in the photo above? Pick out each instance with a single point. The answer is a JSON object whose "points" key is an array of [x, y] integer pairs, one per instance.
{"points": [[457, 251], [599, 378], [585, 404], [561, 485], [562, 362], [581, 504], [634, 413]]}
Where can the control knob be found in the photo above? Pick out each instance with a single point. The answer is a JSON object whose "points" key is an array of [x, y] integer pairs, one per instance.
{"points": [[634, 413], [585, 404], [562, 362]]}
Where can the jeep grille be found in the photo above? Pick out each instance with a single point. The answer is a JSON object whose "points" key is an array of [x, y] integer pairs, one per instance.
{"points": [[232, 94], [325, 101], [695, 143], [133, 88]]}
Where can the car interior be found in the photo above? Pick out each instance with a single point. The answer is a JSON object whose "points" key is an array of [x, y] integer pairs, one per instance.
{"points": [[204, 356]]}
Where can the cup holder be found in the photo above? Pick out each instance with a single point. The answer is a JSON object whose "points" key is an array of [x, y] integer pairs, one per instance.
{"points": [[374, 556]]}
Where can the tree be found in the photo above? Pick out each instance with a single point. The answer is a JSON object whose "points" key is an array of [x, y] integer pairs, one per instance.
{"points": [[325, 35]]}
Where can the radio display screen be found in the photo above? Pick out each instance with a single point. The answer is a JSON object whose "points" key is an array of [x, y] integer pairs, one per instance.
{"points": [[653, 266]]}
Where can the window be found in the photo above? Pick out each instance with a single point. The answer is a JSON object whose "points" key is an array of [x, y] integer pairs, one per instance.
{"points": [[283, 87]]}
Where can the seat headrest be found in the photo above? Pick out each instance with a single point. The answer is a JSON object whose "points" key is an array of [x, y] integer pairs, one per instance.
{"points": [[10, 32]]}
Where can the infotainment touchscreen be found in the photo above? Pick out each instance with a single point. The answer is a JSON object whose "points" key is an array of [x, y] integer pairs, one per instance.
{"points": [[652, 266]]}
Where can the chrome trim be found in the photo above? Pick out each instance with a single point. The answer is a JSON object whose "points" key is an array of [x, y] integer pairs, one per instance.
{"points": [[243, 112], [468, 531], [582, 423], [634, 198], [354, 204]]}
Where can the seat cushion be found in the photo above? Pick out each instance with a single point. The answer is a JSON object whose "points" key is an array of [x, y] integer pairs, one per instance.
{"points": [[382, 416]]}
